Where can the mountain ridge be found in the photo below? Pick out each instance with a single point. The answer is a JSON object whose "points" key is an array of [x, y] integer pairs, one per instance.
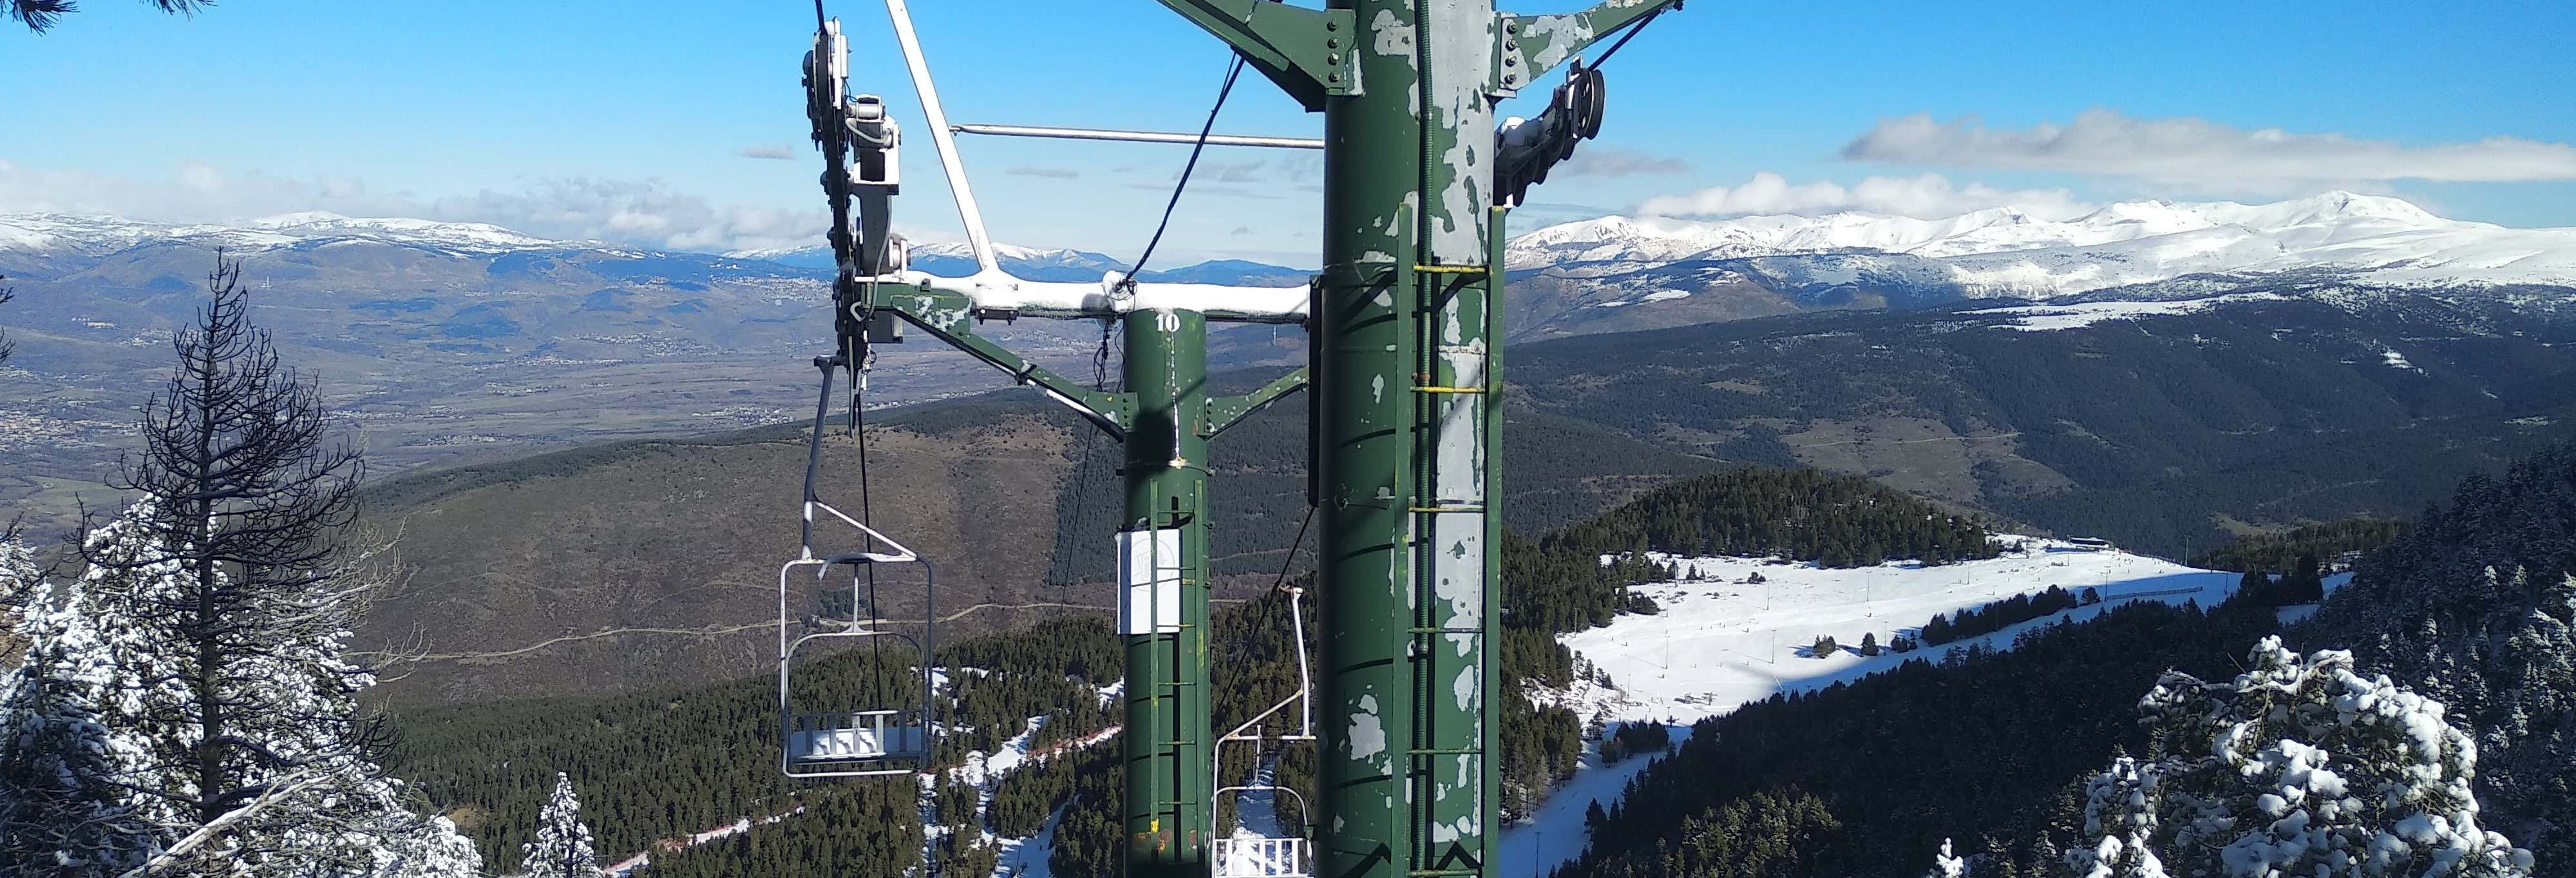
{"points": [[2005, 252]]}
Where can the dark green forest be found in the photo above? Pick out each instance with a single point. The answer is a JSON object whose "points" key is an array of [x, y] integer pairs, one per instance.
{"points": [[2276, 552], [2276, 413], [1799, 514]]}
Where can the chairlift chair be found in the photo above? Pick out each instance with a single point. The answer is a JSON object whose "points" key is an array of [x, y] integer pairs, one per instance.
{"points": [[1266, 856], [869, 740]]}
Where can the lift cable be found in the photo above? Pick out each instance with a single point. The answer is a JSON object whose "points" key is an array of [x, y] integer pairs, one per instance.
{"points": [[1065, 574], [1061, 568], [1234, 69], [1281, 584], [1625, 37]]}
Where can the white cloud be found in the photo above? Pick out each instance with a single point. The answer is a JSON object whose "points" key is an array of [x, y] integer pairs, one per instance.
{"points": [[2188, 151], [779, 153], [647, 212], [1927, 196]]}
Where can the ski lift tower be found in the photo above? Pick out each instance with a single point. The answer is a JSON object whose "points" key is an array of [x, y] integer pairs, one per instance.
{"points": [[1405, 332]]}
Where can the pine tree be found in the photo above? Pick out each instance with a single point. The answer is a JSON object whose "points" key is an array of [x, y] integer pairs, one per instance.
{"points": [[562, 846], [2303, 584], [2296, 767], [1869, 643], [2256, 587], [2120, 823], [62, 810], [1946, 866], [228, 597]]}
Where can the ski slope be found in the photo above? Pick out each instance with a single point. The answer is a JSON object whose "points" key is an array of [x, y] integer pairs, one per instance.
{"points": [[1721, 641]]}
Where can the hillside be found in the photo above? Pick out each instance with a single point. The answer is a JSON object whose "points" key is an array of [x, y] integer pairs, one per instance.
{"points": [[2164, 426], [452, 343], [655, 561]]}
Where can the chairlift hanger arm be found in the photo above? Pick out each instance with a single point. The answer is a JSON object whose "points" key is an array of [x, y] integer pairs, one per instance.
{"points": [[1227, 411], [951, 318], [1307, 52], [1543, 41]]}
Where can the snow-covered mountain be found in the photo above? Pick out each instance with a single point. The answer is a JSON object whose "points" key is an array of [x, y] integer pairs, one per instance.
{"points": [[48, 245], [60, 235], [2004, 252]]}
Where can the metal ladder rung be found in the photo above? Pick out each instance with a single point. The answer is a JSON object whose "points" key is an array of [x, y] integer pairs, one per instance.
{"points": [[1434, 388], [1475, 631], [1431, 510], [1459, 751], [1453, 269]]}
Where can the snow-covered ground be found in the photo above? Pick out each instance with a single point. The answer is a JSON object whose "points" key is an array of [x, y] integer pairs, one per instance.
{"points": [[1721, 641]]}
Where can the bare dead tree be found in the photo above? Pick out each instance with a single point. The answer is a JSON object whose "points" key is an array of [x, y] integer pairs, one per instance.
{"points": [[42, 15], [7, 347], [251, 493]]}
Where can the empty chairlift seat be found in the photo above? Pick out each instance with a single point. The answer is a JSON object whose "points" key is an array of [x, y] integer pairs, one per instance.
{"points": [[1258, 857], [822, 740]]}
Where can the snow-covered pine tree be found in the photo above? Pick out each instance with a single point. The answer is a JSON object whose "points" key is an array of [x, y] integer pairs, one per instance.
{"points": [[2298, 767], [62, 810], [1944, 865], [562, 846], [2119, 824], [226, 595]]}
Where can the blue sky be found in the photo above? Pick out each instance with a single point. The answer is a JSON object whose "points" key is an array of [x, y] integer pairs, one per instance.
{"points": [[632, 120]]}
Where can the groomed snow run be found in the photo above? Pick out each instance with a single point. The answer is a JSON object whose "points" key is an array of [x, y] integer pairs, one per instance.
{"points": [[1721, 642]]}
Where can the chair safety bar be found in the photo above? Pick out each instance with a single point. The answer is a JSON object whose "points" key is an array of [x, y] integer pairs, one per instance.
{"points": [[861, 743]]}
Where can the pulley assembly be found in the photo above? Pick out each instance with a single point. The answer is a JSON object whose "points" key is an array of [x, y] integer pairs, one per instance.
{"points": [[1528, 148]]}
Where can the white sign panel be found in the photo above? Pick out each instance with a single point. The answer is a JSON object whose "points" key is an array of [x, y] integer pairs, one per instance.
{"points": [[1149, 575]]}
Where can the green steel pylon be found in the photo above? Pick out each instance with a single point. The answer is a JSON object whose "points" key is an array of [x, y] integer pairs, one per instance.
{"points": [[1406, 334]]}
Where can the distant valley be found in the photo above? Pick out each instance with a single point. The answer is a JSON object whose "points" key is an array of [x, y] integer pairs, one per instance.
{"points": [[2156, 358]]}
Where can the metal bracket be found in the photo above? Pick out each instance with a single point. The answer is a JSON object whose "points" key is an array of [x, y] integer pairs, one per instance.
{"points": [[951, 317], [1227, 411], [1541, 42], [1310, 53]]}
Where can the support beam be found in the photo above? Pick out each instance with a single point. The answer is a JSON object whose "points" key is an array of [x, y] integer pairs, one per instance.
{"points": [[951, 318], [1306, 52], [1112, 134], [1227, 411], [1540, 42]]}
